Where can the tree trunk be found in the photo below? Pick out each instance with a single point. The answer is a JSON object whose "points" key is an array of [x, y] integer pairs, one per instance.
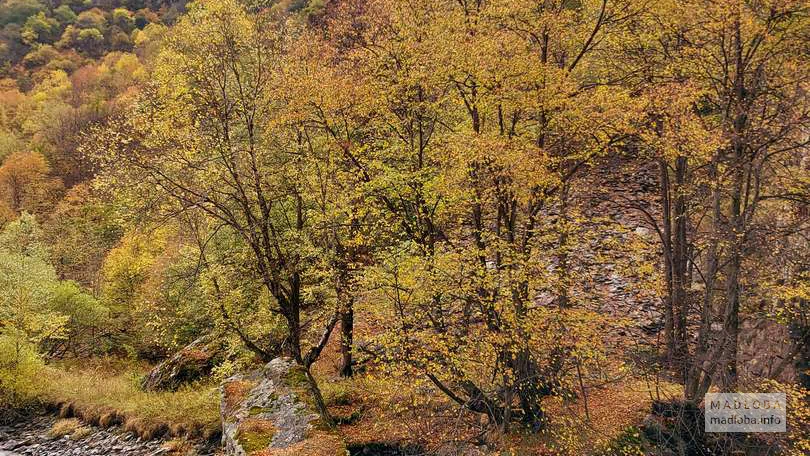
{"points": [[346, 340], [679, 264], [731, 323], [669, 314], [323, 411], [293, 316], [736, 232], [698, 375]]}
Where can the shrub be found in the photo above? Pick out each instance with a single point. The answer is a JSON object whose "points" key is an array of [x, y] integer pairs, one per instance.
{"points": [[20, 367]]}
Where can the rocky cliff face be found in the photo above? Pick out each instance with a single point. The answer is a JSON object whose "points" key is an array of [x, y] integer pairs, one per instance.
{"points": [[763, 346], [267, 412], [625, 194]]}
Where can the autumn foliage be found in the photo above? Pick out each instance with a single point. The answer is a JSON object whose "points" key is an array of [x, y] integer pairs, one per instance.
{"points": [[423, 198]]}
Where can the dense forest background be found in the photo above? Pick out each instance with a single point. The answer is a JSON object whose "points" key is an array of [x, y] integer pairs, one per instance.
{"points": [[527, 227]]}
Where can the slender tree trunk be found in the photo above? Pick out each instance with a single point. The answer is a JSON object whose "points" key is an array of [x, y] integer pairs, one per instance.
{"points": [[736, 232], [345, 295], [669, 314], [679, 264], [731, 321], [346, 340], [323, 411], [292, 313], [731, 326]]}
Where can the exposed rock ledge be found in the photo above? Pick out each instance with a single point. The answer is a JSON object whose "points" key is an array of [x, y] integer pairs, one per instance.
{"points": [[268, 412]]}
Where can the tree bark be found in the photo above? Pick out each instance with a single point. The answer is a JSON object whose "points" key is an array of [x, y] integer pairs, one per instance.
{"points": [[346, 341], [679, 264], [669, 314]]}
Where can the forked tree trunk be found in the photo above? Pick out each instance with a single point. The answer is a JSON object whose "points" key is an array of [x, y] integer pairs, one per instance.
{"points": [[697, 376]]}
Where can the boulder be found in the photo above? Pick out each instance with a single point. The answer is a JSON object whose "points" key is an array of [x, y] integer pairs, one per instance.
{"points": [[194, 361], [269, 412]]}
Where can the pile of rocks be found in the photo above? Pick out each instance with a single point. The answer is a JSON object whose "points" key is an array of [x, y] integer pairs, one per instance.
{"points": [[32, 438]]}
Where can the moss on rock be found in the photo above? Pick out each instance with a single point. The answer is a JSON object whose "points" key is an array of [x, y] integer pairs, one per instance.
{"points": [[255, 435], [255, 411]]}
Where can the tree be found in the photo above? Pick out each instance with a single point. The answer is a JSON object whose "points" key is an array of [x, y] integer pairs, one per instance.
{"points": [[40, 29], [123, 19], [727, 155], [347, 225], [89, 40], [37, 311], [64, 15], [481, 118], [81, 230], [28, 284], [679, 142], [26, 184], [212, 138], [85, 321], [17, 11], [126, 272], [92, 19]]}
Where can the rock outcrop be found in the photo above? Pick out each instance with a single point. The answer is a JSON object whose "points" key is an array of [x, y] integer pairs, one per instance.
{"points": [[269, 412], [194, 361], [764, 346]]}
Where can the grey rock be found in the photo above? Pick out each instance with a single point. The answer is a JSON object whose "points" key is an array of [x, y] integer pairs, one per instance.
{"points": [[10, 445], [191, 363], [267, 395]]}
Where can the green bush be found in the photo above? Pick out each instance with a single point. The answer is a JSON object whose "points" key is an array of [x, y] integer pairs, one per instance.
{"points": [[20, 369]]}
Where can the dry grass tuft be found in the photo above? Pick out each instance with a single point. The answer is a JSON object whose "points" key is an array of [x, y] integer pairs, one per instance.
{"points": [[64, 427], [110, 418], [81, 433], [180, 447], [178, 429], [71, 427]]}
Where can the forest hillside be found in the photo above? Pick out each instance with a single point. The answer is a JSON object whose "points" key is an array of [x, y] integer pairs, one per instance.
{"points": [[404, 227]]}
